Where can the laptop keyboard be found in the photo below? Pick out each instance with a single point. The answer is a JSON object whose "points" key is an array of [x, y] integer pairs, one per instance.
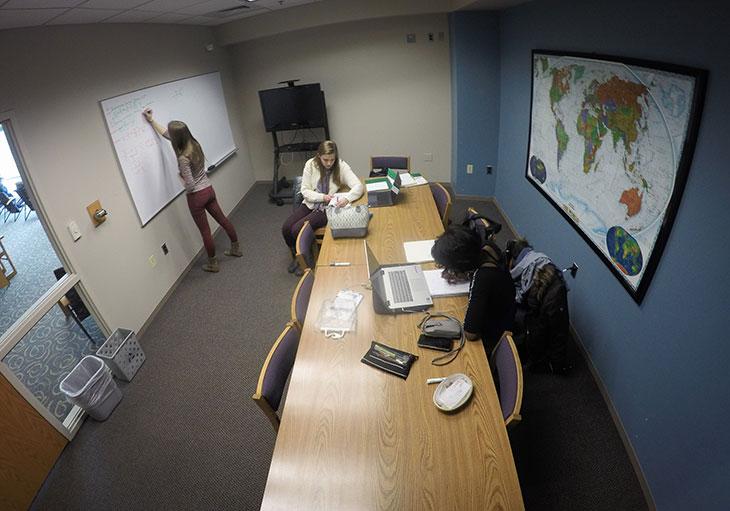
{"points": [[400, 286]]}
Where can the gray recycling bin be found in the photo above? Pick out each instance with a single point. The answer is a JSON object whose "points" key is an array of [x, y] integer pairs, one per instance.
{"points": [[90, 385], [122, 353]]}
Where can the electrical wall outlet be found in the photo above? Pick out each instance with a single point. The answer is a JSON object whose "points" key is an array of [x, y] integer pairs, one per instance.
{"points": [[469, 168], [427, 156], [165, 250], [430, 36], [490, 169], [152, 260], [410, 38]]}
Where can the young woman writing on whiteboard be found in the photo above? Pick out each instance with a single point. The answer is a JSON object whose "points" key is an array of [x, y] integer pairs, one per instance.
{"points": [[323, 176], [200, 193]]}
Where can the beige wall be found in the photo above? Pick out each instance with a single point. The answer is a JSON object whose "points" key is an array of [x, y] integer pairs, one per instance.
{"points": [[384, 96], [53, 79]]}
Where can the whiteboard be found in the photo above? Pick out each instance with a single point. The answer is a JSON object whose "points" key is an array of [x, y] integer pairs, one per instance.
{"points": [[147, 160]]}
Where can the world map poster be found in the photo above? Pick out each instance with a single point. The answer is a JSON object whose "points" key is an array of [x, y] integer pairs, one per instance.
{"points": [[611, 142]]}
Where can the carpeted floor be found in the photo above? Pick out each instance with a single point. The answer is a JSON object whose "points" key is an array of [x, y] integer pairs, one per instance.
{"points": [[187, 436]]}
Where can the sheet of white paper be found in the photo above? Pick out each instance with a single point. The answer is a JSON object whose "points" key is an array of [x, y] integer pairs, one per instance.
{"points": [[418, 251], [438, 286], [336, 196], [420, 180], [377, 186]]}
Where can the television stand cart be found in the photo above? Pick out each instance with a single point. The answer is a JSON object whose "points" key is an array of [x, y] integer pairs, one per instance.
{"points": [[278, 194]]}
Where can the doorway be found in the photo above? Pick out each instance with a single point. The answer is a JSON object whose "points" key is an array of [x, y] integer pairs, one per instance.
{"points": [[46, 322]]}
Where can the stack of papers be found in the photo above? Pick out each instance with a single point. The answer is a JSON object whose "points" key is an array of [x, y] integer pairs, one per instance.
{"points": [[439, 286], [412, 179]]}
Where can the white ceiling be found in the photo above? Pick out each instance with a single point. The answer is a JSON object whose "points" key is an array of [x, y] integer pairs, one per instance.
{"points": [[30, 13]]}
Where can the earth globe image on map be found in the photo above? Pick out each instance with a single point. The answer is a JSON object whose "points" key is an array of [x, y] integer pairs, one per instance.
{"points": [[624, 251], [537, 169]]}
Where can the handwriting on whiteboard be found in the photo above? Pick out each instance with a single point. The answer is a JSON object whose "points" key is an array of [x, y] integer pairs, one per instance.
{"points": [[147, 160]]}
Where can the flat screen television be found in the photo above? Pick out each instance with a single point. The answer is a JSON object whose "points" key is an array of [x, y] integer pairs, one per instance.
{"points": [[290, 108]]}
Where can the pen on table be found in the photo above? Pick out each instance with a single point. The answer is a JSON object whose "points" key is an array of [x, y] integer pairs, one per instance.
{"points": [[340, 264], [434, 380]]}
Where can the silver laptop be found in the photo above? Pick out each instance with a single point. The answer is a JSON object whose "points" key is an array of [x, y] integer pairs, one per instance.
{"points": [[397, 288]]}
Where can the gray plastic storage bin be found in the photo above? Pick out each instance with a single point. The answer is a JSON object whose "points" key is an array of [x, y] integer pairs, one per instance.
{"points": [[122, 353], [90, 385]]}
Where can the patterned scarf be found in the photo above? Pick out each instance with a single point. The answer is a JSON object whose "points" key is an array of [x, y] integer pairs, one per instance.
{"points": [[323, 186], [528, 262]]}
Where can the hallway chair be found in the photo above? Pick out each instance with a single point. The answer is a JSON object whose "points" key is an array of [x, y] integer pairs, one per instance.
{"points": [[72, 305], [26, 202], [9, 207]]}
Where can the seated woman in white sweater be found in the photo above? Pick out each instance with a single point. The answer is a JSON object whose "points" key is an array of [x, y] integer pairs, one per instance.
{"points": [[323, 176]]}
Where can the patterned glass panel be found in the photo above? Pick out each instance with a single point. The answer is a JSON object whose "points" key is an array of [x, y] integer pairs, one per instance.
{"points": [[49, 351]]}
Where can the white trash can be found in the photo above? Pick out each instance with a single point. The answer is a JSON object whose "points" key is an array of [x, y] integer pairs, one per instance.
{"points": [[90, 385]]}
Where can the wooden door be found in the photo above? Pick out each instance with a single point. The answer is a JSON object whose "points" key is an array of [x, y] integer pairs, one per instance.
{"points": [[29, 446]]}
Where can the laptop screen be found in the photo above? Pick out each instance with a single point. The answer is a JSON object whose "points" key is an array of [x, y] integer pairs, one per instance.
{"points": [[371, 261]]}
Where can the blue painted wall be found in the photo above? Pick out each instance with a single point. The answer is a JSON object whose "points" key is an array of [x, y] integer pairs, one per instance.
{"points": [[475, 100], [666, 363]]}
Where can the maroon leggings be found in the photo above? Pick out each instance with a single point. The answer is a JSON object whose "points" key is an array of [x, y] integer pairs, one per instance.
{"points": [[293, 224], [204, 200]]}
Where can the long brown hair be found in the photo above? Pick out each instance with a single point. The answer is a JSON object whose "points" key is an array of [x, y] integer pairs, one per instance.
{"points": [[185, 145], [327, 148]]}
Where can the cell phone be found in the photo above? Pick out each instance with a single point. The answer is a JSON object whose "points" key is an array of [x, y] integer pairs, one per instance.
{"points": [[435, 343]]}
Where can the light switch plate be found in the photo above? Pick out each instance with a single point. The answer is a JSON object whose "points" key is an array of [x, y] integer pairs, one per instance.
{"points": [[73, 230]]}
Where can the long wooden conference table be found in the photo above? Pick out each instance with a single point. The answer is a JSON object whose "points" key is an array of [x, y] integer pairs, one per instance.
{"points": [[355, 438]]}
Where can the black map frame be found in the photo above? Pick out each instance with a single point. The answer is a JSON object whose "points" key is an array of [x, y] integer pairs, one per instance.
{"points": [[685, 160]]}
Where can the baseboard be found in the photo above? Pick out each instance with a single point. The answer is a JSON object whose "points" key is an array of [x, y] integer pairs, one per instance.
{"points": [[475, 197], [187, 269], [616, 420]]}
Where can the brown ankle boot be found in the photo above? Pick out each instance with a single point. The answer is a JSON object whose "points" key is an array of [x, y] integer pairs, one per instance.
{"points": [[235, 250], [212, 265]]}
